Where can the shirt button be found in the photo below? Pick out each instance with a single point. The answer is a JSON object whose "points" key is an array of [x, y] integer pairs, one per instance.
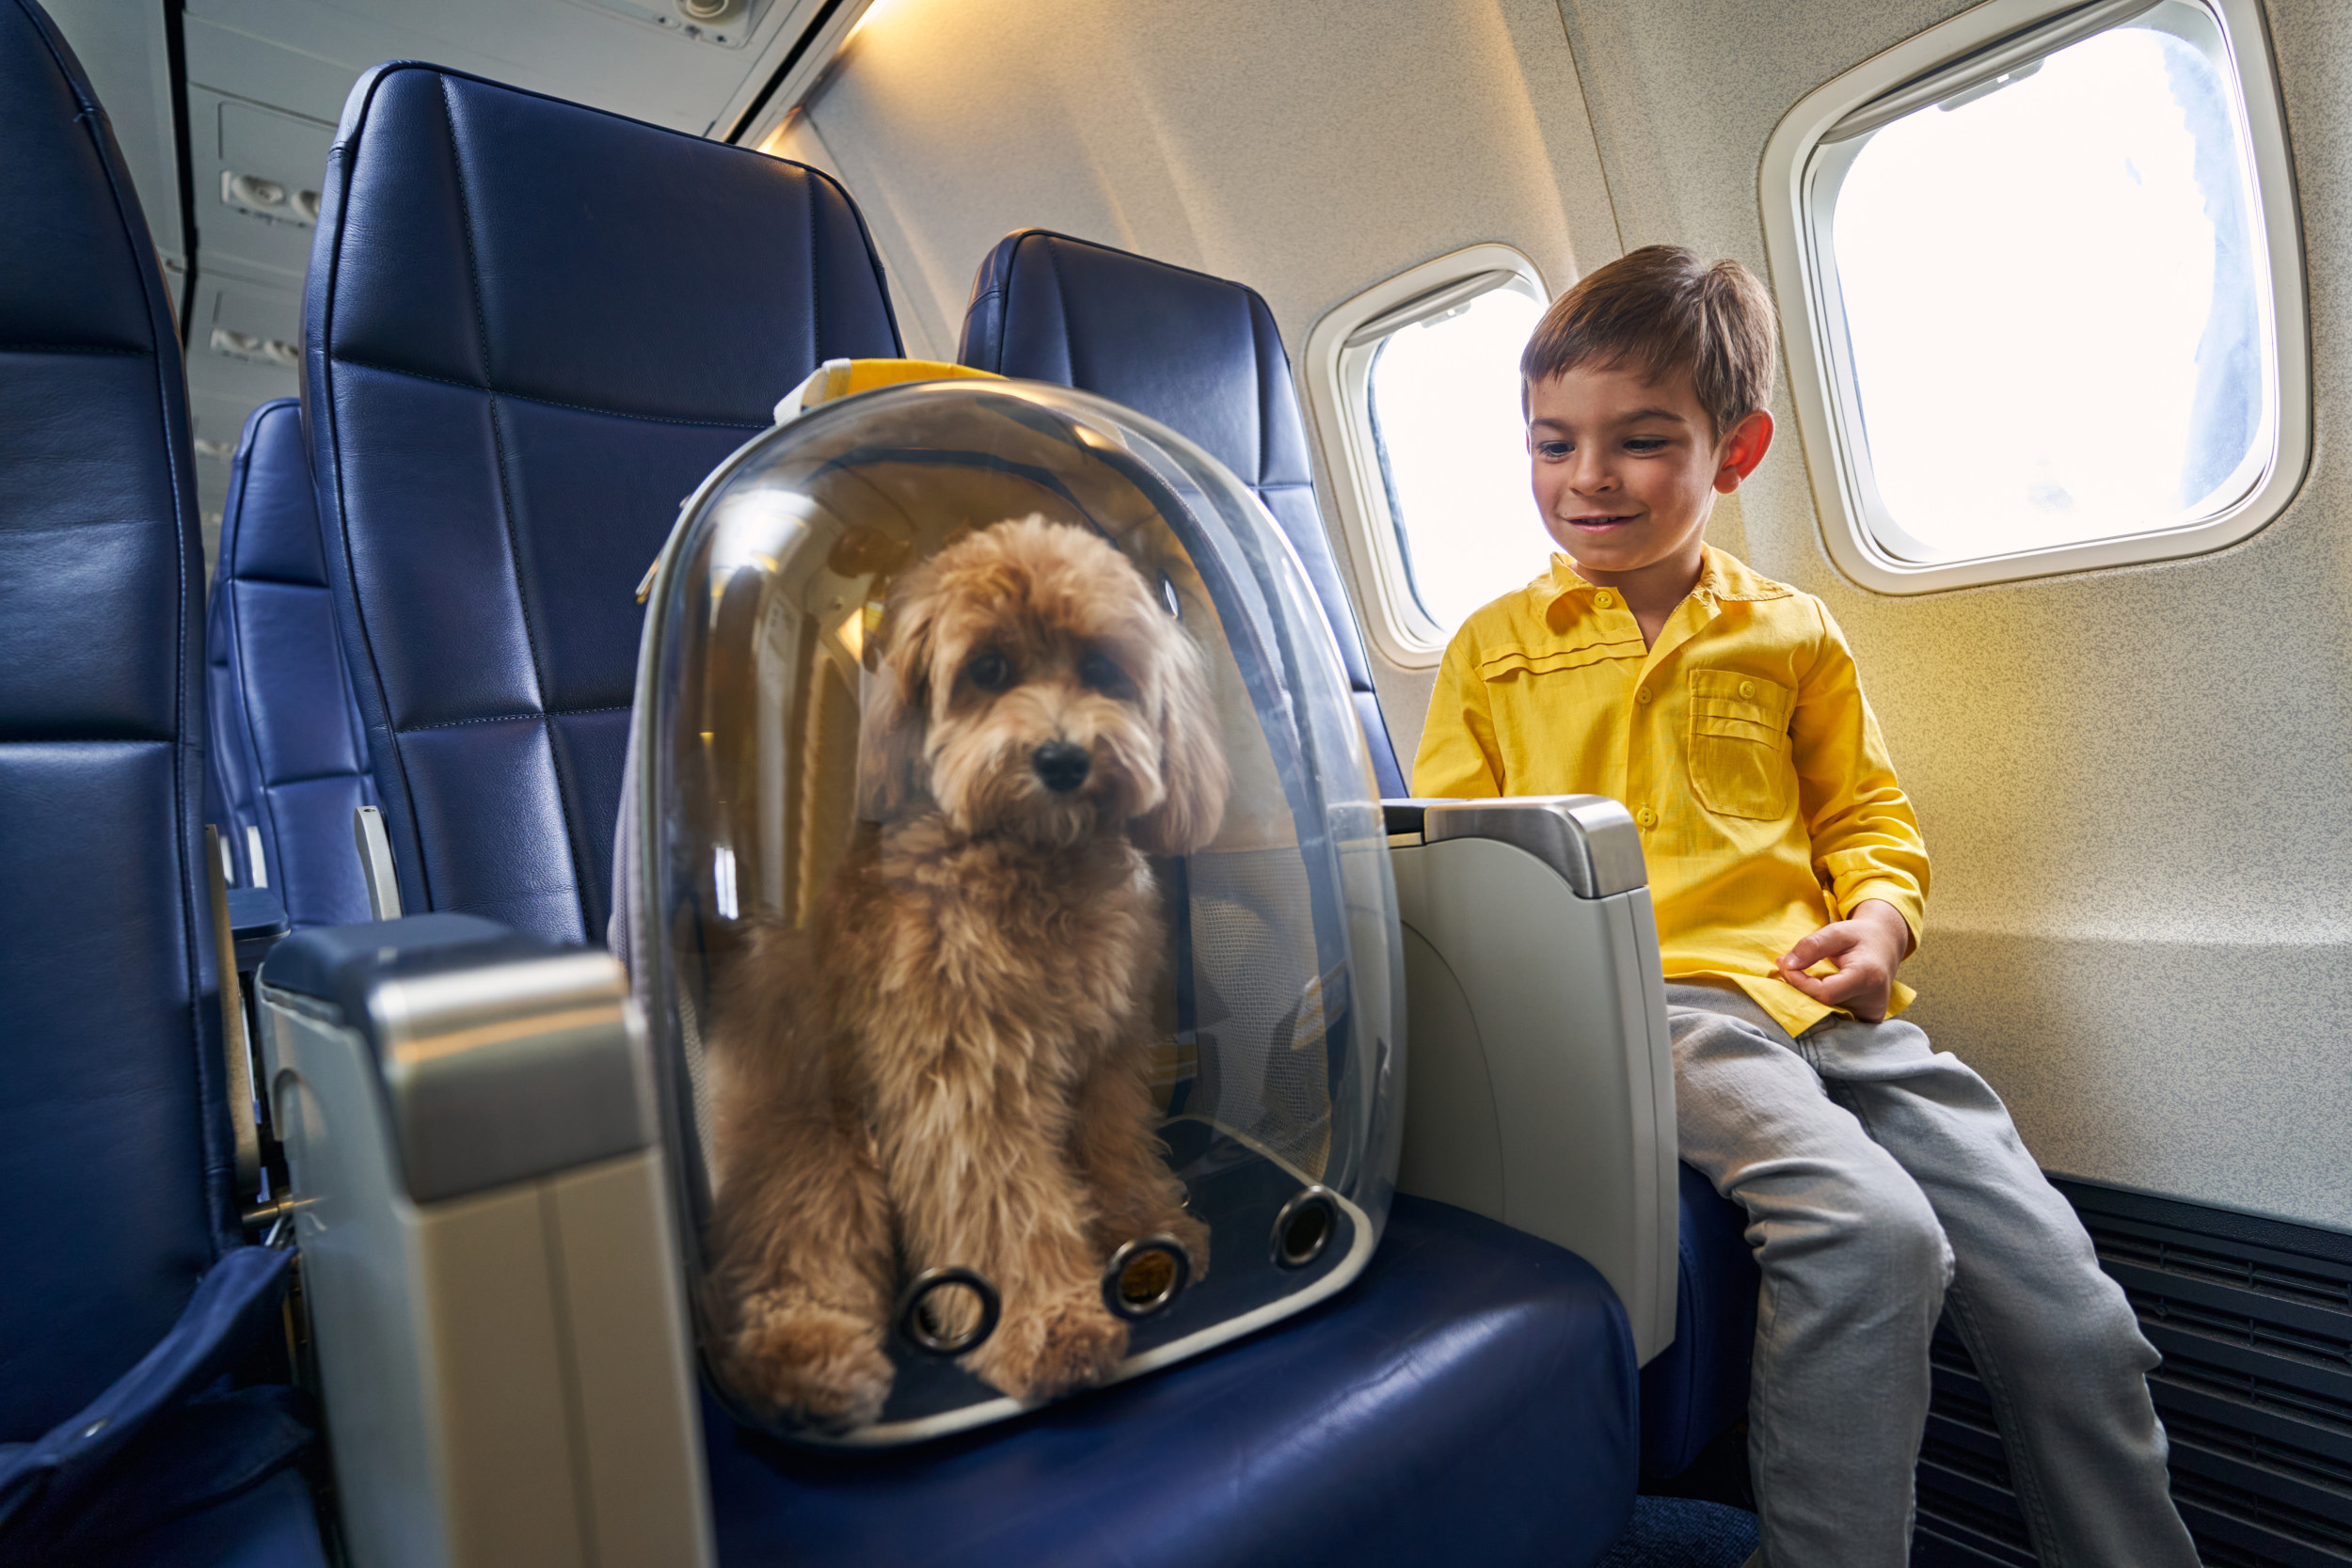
{"points": [[1747, 689], [1605, 600], [1647, 817], [1641, 694]]}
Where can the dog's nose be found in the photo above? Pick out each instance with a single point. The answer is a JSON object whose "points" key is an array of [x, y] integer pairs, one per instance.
{"points": [[1062, 767]]}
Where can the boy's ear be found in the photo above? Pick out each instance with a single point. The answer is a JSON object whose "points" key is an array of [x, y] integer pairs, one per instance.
{"points": [[1750, 440]]}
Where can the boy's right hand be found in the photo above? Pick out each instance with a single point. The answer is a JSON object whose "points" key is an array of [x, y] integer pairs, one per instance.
{"points": [[1867, 946]]}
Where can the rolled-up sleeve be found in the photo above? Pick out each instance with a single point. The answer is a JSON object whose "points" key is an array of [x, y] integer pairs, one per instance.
{"points": [[1866, 838], [1458, 759]]}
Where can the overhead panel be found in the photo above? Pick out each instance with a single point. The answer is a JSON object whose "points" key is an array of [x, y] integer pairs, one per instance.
{"points": [[266, 81]]}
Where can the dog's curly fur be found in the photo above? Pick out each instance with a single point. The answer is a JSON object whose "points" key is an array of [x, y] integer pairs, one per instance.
{"points": [[949, 1064]]}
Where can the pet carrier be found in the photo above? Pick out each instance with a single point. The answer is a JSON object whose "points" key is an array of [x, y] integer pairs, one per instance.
{"points": [[1002, 877]]}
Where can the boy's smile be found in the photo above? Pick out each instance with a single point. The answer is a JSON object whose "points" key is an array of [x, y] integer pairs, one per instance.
{"points": [[1626, 471]]}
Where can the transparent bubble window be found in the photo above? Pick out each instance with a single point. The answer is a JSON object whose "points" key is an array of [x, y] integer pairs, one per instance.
{"points": [[1004, 882]]}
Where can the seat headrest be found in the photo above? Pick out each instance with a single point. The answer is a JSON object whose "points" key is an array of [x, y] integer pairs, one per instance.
{"points": [[1196, 353], [561, 253]]}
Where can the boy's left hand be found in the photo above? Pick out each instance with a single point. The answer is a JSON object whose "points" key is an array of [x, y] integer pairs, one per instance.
{"points": [[1867, 946]]}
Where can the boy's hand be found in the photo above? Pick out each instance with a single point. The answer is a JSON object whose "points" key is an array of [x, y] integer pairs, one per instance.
{"points": [[1867, 946]]}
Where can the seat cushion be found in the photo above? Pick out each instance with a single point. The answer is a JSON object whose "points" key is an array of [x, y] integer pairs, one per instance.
{"points": [[1198, 354], [288, 753], [1470, 1398], [1698, 1385], [274, 1525]]}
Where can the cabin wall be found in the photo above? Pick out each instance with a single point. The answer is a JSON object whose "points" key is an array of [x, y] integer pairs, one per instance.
{"points": [[1309, 149], [2133, 781]]}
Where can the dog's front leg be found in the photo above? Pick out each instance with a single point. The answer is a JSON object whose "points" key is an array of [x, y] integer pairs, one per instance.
{"points": [[980, 1182], [1115, 1142], [802, 1244]]}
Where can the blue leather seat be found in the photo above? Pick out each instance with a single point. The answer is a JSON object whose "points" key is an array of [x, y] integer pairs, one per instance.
{"points": [[1694, 1389], [1198, 353], [129, 1292], [531, 329], [1468, 1400], [289, 756], [1203, 357], [511, 391]]}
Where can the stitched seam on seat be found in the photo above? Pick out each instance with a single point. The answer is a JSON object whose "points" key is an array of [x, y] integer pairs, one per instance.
{"points": [[815, 315], [873, 258], [311, 779], [1257, 376], [86, 740], [512, 718], [550, 403], [257, 580], [340, 160], [507, 497], [76, 348]]}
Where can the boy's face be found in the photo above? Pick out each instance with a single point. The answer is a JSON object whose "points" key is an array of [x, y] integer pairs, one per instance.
{"points": [[1626, 470]]}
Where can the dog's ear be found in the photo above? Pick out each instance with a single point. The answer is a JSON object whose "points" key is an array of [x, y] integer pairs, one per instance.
{"points": [[1192, 757], [898, 703]]}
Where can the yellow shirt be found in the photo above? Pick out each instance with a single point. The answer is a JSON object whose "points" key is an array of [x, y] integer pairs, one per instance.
{"points": [[1741, 742]]}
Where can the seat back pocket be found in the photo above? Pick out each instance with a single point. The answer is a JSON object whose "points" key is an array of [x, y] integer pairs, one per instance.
{"points": [[1739, 752]]}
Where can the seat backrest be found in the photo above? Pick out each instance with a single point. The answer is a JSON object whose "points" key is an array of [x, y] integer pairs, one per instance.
{"points": [[1198, 353], [288, 755], [114, 1157], [531, 329]]}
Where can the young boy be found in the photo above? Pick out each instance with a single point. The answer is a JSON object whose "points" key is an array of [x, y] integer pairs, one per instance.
{"points": [[1882, 1180]]}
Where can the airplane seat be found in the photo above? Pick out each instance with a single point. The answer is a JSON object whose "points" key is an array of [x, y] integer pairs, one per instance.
{"points": [[511, 385], [531, 329], [289, 758], [1200, 355], [131, 1293], [1203, 356]]}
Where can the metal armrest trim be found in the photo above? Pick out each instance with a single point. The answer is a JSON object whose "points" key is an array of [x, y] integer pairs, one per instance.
{"points": [[1590, 840]]}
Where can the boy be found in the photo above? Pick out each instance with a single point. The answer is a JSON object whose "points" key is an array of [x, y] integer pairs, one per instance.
{"points": [[1882, 1180]]}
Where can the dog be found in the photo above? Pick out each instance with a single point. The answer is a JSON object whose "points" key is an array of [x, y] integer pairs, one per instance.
{"points": [[948, 1067]]}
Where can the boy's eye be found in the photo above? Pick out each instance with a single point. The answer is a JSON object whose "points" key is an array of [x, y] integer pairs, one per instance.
{"points": [[1647, 443], [989, 670], [1552, 450], [1099, 673]]}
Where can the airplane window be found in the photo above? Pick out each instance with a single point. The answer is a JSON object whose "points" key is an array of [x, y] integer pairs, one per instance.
{"points": [[2049, 291], [1443, 399], [1414, 386]]}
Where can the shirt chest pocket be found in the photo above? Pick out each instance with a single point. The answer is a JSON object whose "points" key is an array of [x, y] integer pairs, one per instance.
{"points": [[1739, 753]]}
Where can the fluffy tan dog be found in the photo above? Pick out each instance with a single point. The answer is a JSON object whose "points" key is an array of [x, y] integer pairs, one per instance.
{"points": [[953, 1058]]}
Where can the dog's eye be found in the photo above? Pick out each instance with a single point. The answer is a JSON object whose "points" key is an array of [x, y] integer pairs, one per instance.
{"points": [[1099, 673], [990, 670]]}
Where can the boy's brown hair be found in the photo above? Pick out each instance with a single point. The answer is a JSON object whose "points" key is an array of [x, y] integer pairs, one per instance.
{"points": [[1660, 312]]}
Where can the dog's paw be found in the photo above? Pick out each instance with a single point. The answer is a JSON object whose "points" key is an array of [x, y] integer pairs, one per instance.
{"points": [[812, 1364], [1193, 1236], [1069, 1343]]}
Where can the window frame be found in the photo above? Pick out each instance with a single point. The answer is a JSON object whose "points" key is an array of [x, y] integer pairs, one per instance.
{"points": [[1336, 368], [1795, 203]]}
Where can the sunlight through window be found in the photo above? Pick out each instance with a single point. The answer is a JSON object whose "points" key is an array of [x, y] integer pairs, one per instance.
{"points": [[2053, 292], [1451, 439]]}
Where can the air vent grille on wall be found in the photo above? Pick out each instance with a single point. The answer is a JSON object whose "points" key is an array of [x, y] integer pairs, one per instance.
{"points": [[2254, 1319]]}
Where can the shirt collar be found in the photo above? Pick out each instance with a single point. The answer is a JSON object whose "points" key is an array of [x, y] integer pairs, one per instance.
{"points": [[1721, 578]]}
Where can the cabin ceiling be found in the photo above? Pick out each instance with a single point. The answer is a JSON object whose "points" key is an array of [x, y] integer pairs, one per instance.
{"points": [[265, 83]]}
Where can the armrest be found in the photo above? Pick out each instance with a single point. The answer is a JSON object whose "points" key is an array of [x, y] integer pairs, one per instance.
{"points": [[1540, 1074], [256, 921], [488, 1258]]}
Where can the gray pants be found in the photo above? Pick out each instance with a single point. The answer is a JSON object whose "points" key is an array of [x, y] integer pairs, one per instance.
{"points": [[1885, 1184]]}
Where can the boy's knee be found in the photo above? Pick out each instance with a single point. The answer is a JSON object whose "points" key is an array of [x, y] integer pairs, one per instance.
{"points": [[1898, 1238]]}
